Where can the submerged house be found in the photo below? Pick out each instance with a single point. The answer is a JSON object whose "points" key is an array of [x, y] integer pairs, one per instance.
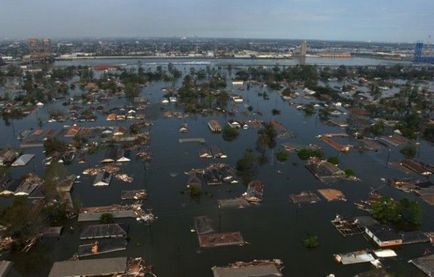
{"points": [[91, 267], [194, 182], [23, 160], [214, 126], [383, 235], [6, 185], [30, 186], [102, 179], [217, 152], [255, 190], [8, 156], [123, 155], [110, 155]]}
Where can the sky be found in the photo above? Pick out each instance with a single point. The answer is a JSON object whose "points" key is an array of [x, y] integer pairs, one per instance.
{"points": [[359, 20]]}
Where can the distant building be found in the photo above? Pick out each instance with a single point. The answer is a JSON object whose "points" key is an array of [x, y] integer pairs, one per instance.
{"points": [[39, 51], [303, 49]]}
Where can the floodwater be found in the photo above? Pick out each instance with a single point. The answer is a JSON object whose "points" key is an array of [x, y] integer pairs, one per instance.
{"points": [[274, 229], [354, 61]]}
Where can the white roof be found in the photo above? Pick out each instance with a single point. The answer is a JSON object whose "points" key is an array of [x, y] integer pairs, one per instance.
{"points": [[385, 253]]}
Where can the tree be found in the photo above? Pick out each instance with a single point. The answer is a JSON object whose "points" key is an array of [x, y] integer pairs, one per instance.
{"points": [[410, 211], [106, 218], [309, 109], [429, 133], [349, 172], [229, 133], [55, 174], [333, 160], [275, 112], [135, 128], [55, 214], [307, 153], [409, 150], [132, 90], [52, 145], [282, 155], [311, 241], [246, 165], [400, 213], [377, 128], [267, 137]]}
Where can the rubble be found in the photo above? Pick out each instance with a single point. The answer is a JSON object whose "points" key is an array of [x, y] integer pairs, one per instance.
{"points": [[124, 178]]}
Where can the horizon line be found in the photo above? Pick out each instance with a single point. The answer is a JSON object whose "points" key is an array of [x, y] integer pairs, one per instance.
{"points": [[6, 38]]}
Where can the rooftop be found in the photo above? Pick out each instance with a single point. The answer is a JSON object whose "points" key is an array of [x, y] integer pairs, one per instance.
{"points": [[267, 270], [94, 267]]}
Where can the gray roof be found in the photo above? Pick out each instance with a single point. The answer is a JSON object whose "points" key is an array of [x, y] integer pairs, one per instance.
{"points": [[384, 232], [23, 160], [94, 267], [425, 263], [268, 270], [103, 231], [90, 216], [104, 177]]}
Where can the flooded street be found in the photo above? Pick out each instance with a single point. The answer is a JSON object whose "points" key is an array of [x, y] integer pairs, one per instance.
{"points": [[273, 229]]}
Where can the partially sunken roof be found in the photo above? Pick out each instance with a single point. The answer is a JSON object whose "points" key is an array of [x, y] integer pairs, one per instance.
{"points": [[94, 267], [426, 264], [247, 271], [384, 233]]}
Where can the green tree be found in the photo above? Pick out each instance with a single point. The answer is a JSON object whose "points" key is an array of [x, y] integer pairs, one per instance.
{"points": [[246, 165], [55, 174], [229, 133], [349, 172], [377, 129], [311, 241], [52, 145], [400, 213], [106, 218], [333, 160], [306, 153], [266, 137], [409, 150], [282, 155]]}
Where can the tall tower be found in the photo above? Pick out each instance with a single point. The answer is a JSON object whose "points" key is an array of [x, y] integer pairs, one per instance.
{"points": [[46, 42], [33, 44], [418, 51], [303, 48]]}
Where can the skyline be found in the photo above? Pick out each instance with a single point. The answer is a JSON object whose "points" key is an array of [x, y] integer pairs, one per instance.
{"points": [[388, 21]]}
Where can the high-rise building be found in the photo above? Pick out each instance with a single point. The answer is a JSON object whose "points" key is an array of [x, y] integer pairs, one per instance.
{"points": [[303, 48], [39, 50], [46, 42]]}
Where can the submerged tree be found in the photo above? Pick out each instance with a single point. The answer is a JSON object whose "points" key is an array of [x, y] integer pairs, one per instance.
{"points": [[401, 213], [106, 218], [229, 133], [409, 150], [246, 165], [311, 241]]}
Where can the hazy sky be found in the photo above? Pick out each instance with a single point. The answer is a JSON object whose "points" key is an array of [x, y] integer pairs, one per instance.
{"points": [[376, 20]]}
